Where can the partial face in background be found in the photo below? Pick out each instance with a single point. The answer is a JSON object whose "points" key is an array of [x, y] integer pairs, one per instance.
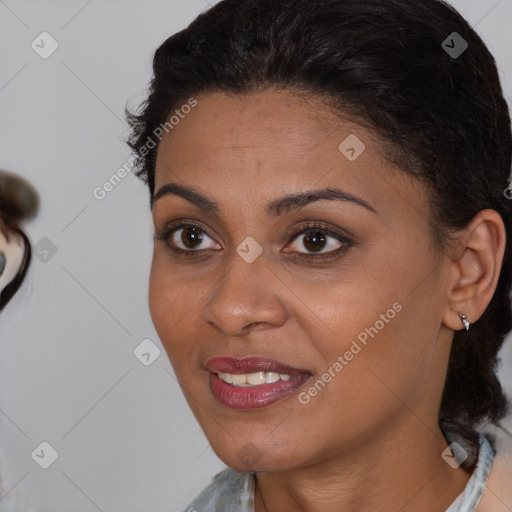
{"points": [[13, 252], [348, 290]]}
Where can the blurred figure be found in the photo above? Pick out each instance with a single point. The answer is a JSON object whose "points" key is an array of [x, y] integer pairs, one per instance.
{"points": [[19, 201]]}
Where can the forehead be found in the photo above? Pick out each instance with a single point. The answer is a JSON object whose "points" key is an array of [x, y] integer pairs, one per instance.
{"points": [[248, 129], [273, 142]]}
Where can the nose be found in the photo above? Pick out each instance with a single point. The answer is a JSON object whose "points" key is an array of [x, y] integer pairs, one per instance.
{"points": [[248, 296]]}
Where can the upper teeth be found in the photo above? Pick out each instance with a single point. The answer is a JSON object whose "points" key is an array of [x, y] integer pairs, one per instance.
{"points": [[252, 379]]}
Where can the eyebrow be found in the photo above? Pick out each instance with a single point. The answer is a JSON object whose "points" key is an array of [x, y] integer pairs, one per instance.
{"points": [[275, 208]]}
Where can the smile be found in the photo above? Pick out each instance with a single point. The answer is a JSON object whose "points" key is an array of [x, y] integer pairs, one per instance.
{"points": [[253, 382]]}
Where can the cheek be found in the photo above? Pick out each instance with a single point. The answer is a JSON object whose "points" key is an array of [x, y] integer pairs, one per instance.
{"points": [[370, 383], [378, 339], [169, 296], [168, 306], [158, 294], [386, 367], [174, 305]]}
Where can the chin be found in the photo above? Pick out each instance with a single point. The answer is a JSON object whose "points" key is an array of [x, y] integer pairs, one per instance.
{"points": [[248, 458]]}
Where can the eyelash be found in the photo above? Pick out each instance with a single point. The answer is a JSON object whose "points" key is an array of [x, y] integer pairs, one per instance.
{"points": [[164, 236]]}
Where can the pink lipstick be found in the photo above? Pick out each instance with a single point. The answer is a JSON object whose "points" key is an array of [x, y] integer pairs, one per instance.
{"points": [[253, 382]]}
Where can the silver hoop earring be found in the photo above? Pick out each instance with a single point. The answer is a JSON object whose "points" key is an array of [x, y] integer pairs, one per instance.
{"points": [[464, 321]]}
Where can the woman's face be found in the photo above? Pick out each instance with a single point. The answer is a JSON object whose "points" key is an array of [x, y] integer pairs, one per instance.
{"points": [[354, 305]]}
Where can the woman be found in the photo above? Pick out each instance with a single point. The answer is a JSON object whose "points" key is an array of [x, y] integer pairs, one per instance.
{"points": [[332, 259], [19, 201]]}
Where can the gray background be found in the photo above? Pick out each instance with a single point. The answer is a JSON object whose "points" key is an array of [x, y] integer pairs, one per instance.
{"points": [[124, 434]]}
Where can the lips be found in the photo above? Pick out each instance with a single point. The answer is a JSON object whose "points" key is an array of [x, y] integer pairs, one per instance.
{"points": [[258, 396]]}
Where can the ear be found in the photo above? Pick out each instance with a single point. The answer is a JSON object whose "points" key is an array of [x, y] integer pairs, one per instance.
{"points": [[475, 268]]}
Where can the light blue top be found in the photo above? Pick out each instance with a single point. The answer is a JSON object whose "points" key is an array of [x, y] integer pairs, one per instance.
{"points": [[231, 491]]}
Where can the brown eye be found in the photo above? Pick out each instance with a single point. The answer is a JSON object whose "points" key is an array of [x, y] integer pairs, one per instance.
{"points": [[317, 240], [314, 241], [318, 243], [190, 236], [185, 238]]}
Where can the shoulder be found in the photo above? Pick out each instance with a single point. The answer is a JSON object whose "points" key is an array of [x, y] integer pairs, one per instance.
{"points": [[229, 491], [497, 496]]}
